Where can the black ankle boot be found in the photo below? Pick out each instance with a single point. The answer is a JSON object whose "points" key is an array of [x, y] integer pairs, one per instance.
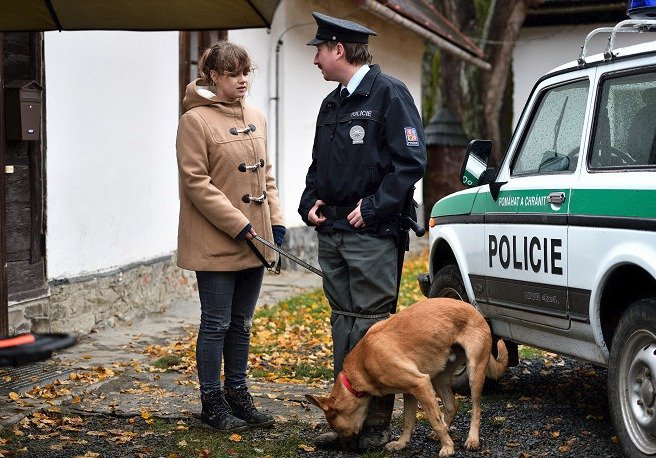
{"points": [[216, 412], [241, 403]]}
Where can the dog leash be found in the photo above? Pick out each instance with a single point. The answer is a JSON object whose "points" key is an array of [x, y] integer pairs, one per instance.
{"points": [[309, 267], [274, 247]]}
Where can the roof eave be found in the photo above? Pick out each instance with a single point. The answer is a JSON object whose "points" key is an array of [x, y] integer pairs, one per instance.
{"points": [[445, 44]]}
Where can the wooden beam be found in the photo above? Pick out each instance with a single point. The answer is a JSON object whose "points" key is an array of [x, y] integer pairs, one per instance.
{"points": [[4, 309]]}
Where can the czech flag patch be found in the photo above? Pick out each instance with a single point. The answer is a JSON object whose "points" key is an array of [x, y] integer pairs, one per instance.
{"points": [[411, 137]]}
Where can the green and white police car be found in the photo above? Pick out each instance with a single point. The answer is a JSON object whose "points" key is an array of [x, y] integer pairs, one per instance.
{"points": [[557, 246]]}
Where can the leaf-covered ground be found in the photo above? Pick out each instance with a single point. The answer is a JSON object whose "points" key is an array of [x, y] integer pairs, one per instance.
{"points": [[291, 342], [546, 407]]}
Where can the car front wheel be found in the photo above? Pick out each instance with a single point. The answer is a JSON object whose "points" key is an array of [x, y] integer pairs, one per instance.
{"points": [[632, 379], [448, 283]]}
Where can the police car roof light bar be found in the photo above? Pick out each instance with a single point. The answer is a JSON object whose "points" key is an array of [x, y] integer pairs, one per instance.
{"points": [[628, 26], [641, 9]]}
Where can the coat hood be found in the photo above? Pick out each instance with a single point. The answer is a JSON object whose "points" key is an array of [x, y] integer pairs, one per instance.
{"points": [[197, 96]]}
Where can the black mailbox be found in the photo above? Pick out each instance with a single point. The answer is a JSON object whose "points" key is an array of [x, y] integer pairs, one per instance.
{"points": [[23, 110]]}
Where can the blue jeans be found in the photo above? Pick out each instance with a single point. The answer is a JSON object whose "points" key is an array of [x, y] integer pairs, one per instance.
{"points": [[227, 303]]}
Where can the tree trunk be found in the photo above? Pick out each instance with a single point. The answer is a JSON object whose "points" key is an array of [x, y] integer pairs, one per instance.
{"points": [[505, 22], [476, 97]]}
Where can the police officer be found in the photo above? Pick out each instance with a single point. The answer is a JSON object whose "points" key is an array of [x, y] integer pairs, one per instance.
{"points": [[368, 153]]}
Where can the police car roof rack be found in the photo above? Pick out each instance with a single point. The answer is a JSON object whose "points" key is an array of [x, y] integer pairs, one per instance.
{"points": [[630, 25]]}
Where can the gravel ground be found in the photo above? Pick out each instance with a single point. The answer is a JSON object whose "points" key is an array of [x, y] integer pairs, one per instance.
{"points": [[545, 407], [553, 407]]}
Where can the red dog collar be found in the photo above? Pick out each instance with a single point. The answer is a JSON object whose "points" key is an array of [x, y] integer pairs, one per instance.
{"points": [[349, 387]]}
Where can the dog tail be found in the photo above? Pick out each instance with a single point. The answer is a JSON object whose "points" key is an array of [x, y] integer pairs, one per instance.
{"points": [[496, 367]]}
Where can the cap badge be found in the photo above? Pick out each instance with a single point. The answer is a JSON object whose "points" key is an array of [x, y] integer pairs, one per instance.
{"points": [[357, 134]]}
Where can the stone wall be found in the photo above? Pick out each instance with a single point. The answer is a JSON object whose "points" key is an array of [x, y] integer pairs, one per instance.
{"points": [[81, 305]]}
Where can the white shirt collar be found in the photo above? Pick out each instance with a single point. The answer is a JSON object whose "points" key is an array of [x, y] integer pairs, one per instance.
{"points": [[357, 78]]}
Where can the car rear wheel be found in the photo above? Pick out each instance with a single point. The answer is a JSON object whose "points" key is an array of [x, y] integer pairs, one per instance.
{"points": [[632, 379], [447, 282]]}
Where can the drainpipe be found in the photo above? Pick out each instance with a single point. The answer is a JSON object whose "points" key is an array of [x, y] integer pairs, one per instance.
{"points": [[276, 97], [386, 13], [277, 100]]}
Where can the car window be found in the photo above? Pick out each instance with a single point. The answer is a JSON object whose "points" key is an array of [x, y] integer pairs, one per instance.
{"points": [[553, 138], [625, 123]]}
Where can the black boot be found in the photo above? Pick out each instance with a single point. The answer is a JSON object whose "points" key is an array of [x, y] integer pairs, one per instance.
{"points": [[241, 403], [376, 428], [216, 412]]}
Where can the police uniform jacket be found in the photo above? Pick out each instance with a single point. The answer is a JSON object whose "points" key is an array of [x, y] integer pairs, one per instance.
{"points": [[212, 186], [369, 146]]}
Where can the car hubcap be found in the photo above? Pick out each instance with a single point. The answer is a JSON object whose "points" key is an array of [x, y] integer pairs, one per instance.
{"points": [[638, 390], [450, 293]]}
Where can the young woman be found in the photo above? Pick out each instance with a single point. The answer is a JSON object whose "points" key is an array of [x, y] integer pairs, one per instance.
{"points": [[227, 195]]}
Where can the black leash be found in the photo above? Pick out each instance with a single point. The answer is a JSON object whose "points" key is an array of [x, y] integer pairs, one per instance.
{"points": [[259, 255], [282, 252], [419, 231], [309, 267]]}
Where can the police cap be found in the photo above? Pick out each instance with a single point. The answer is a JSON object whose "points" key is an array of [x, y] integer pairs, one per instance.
{"points": [[335, 29]]}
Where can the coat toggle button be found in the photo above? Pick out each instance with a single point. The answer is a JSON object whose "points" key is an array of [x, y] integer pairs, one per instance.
{"points": [[243, 167]]}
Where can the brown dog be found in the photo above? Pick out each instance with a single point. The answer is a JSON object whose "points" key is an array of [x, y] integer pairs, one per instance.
{"points": [[415, 353]]}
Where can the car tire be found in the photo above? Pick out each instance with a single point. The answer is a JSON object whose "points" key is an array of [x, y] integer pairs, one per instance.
{"points": [[447, 282], [632, 379]]}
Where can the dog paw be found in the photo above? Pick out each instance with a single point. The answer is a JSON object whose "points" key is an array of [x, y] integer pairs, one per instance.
{"points": [[447, 451], [395, 446], [472, 443]]}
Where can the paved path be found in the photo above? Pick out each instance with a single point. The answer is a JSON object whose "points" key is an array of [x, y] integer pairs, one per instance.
{"points": [[133, 389]]}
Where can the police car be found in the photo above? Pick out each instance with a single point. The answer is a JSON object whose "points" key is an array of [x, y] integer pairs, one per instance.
{"points": [[557, 246]]}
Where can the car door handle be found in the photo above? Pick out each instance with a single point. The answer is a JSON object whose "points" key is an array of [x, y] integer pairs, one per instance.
{"points": [[556, 198]]}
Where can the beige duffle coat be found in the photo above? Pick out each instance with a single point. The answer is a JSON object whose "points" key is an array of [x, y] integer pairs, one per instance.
{"points": [[213, 210]]}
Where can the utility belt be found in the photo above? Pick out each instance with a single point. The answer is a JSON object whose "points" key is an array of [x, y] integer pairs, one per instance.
{"points": [[335, 211]]}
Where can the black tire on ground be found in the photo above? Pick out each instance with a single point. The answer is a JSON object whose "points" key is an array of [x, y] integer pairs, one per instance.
{"points": [[632, 379], [447, 282]]}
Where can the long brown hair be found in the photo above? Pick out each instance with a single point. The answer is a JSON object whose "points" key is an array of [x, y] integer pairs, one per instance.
{"points": [[225, 58]]}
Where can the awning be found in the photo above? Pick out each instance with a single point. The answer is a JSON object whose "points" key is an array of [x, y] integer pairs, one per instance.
{"points": [[36, 15]]}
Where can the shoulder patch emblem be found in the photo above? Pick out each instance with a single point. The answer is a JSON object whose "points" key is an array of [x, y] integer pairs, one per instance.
{"points": [[411, 137]]}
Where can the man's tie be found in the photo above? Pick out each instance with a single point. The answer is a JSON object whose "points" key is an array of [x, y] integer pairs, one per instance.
{"points": [[343, 94]]}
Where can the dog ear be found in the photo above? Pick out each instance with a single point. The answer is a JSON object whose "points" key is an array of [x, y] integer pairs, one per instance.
{"points": [[319, 401]]}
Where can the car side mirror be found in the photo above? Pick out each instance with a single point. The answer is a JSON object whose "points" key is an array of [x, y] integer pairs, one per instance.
{"points": [[475, 170]]}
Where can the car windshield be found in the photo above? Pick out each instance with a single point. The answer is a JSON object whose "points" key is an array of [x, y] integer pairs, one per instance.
{"points": [[554, 136]]}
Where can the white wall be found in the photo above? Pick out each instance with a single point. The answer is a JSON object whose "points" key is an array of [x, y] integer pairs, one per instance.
{"points": [[111, 120], [540, 49], [302, 87]]}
